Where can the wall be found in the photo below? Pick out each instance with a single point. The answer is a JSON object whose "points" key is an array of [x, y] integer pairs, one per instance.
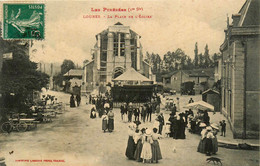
{"points": [[252, 87], [89, 77]]}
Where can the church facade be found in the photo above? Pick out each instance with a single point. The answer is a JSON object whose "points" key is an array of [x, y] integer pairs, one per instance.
{"points": [[117, 49]]}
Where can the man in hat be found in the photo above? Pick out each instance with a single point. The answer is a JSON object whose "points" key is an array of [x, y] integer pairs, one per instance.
{"points": [[161, 122], [130, 112], [149, 112]]}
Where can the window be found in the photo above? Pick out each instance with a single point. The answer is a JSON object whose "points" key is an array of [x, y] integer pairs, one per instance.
{"points": [[119, 41], [133, 60], [116, 45], [132, 41], [167, 80], [122, 49]]}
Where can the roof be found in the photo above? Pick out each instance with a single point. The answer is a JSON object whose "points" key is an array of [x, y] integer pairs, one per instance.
{"points": [[74, 72], [92, 61], [170, 74], [210, 91], [250, 13], [209, 72], [146, 63], [132, 75], [118, 27], [118, 23]]}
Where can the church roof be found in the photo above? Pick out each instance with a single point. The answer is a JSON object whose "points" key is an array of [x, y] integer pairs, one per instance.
{"points": [[132, 75], [118, 23]]}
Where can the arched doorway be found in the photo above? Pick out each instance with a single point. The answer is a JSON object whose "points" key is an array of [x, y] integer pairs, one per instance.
{"points": [[117, 72]]}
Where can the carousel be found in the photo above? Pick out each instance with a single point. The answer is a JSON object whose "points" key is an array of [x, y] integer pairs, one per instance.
{"points": [[133, 87]]}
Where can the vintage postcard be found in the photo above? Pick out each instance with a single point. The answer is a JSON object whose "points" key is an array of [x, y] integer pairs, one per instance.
{"points": [[120, 82]]}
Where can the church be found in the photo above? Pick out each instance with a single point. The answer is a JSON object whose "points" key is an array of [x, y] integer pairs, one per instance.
{"points": [[117, 50]]}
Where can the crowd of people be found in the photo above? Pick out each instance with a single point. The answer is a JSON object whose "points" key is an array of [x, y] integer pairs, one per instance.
{"points": [[143, 145], [142, 113], [75, 100], [208, 143], [103, 106]]}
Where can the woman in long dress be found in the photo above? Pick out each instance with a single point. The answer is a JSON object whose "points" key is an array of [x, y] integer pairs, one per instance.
{"points": [[208, 144], [72, 101], [130, 149], [156, 151], [201, 146], [104, 121], [147, 140], [110, 121], [93, 113], [215, 140], [139, 145]]}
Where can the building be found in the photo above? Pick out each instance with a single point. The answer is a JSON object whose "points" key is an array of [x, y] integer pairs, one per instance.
{"points": [[212, 97], [240, 71], [117, 49], [73, 78], [217, 72], [199, 77]]}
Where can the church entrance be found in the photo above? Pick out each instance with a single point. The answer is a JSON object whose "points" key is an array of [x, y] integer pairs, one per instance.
{"points": [[117, 72]]}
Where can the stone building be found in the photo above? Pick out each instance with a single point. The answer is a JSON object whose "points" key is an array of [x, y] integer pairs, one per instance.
{"points": [[241, 72], [200, 77], [117, 49]]}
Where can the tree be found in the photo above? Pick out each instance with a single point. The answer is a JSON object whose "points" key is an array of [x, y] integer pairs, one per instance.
{"points": [[207, 60], [215, 58], [196, 57], [156, 64], [67, 65], [19, 78], [201, 60]]}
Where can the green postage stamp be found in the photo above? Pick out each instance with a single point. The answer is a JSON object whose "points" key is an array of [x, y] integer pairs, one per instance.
{"points": [[23, 21]]}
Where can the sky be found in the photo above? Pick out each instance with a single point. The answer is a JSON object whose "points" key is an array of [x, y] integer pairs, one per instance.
{"points": [[174, 24]]}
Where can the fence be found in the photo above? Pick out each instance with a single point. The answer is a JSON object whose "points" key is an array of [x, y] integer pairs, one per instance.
{"points": [[118, 104]]}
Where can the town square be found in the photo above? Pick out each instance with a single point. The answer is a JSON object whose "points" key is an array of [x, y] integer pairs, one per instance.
{"points": [[129, 83]]}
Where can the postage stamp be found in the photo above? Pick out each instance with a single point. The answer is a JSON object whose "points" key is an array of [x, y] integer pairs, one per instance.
{"points": [[23, 21]]}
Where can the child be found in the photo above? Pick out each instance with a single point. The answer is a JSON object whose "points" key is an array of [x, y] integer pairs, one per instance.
{"points": [[146, 154], [104, 121], [223, 128], [167, 128]]}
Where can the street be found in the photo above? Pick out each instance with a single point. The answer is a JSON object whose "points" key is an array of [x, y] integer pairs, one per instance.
{"points": [[75, 139]]}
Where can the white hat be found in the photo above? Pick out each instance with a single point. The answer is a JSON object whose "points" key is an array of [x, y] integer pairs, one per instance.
{"points": [[106, 105], [130, 104], [209, 128], [202, 125], [214, 126], [148, 132]]}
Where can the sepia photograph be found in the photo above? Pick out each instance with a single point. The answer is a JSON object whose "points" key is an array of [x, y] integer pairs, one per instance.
{"points": [[129, 82]]}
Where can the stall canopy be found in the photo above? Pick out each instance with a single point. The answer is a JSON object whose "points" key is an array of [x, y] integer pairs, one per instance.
{"points": [[200, 105]]}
